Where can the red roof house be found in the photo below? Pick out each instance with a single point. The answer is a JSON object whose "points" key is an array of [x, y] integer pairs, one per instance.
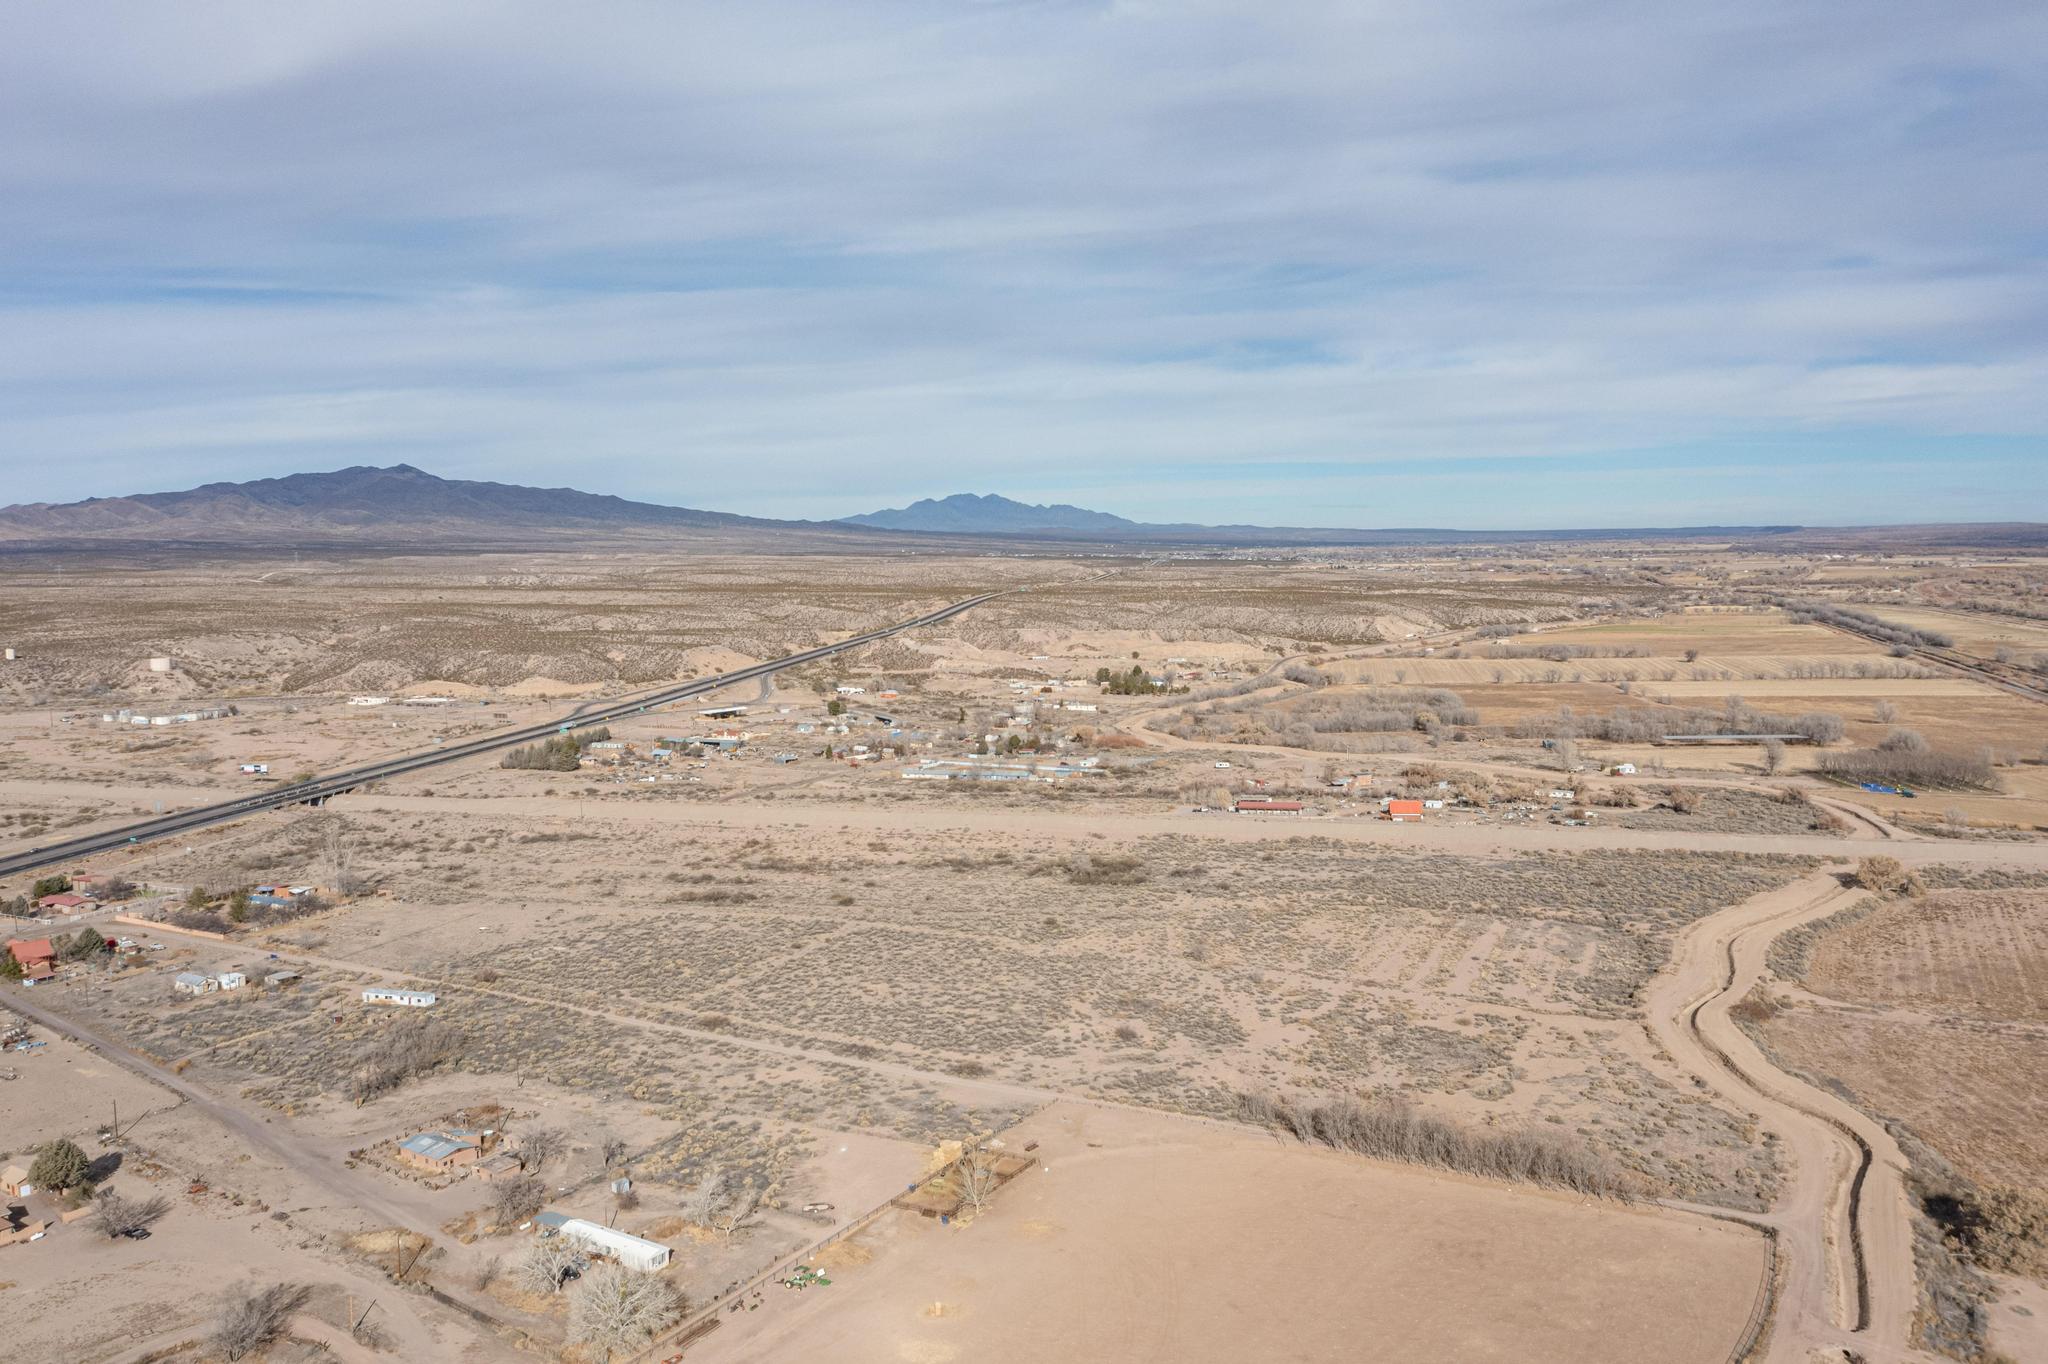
{"points": [[64, 900], [1404, 809], [31, 952]]}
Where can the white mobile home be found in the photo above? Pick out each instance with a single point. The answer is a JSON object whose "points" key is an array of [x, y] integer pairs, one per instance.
{"points": [[412, 999], [631, 1251]]}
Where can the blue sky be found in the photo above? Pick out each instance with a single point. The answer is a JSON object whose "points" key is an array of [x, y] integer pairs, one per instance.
{"points": [[1347, 263]]}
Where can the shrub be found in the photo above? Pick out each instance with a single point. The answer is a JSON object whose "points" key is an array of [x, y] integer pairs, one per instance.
{"points": [[1390, 1130], [1886, 876]]}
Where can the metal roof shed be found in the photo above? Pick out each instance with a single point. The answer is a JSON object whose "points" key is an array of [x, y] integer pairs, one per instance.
{"points": [[631, 1251]]}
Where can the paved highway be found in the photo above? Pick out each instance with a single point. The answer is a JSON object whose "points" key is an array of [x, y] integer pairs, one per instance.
{"points": [[320, 788]]}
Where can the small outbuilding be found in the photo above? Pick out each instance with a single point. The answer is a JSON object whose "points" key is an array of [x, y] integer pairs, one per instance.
{"points": [[1268, 807], [14, 1182], [193, 983]]}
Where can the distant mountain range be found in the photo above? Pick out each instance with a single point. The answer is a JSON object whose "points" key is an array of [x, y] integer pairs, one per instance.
{"points": [[990, 514], [363, 503], [400, 506], [987, 513]]}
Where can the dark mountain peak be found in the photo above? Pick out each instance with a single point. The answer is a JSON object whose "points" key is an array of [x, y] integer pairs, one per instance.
{"points": [[981, 512], [398, 501]]}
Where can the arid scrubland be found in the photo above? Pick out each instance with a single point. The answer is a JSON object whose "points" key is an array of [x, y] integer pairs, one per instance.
{"points": [[743, 946]]}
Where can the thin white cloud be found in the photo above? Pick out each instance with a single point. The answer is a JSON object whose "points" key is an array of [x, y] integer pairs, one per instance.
{"points": [[741, 254]]}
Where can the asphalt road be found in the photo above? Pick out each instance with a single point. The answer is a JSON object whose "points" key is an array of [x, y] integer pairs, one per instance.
{"points": [[319, 788]]}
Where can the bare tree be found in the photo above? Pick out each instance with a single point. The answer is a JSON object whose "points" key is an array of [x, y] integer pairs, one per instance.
{"points": [[1774, 757], [114, 1216], [974, 1178], [546, 1265], [540, 1146], [738, 1211], [337, 858], [615, 1308], [408, 1047], [614, 1151], [1886, 713], [703, 1202], [251, 1318], [515, 1200]]}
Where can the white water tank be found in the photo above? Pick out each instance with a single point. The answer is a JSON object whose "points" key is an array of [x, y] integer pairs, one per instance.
{"points": [[10, 655], [160, 665]]}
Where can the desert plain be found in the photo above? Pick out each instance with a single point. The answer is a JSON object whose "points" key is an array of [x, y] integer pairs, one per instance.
{"points": [[1612, 951]]}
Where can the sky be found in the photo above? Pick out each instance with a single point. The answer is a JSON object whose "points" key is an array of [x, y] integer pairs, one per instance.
{"points": [[1353, 263]]}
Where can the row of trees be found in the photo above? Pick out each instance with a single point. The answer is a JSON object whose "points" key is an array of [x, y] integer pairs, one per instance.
{"points": [[1910, 766], [562, 753], [1863, 623], [1135, 682]]}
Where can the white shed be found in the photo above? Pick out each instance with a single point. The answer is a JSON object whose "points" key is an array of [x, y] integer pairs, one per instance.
{"points": [[232, 980]]}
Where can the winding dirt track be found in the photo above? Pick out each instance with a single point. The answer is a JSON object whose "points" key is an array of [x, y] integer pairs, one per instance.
{"points": [[1845, 1236]]}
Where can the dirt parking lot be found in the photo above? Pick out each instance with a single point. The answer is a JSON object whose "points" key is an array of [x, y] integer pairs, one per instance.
{"points": [[1143, 1237]]}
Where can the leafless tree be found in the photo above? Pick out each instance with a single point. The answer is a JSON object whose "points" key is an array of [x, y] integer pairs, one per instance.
{"points": [[703, 1202], [546, 1263], [614, 1308], [410, 1046], [540, 1146], [515, 1200], [1886, 713], [251, 1318], [614, 1151], [974, 1178], [337, 858], [1774, 757], [738, 1211], [114, 1216]]}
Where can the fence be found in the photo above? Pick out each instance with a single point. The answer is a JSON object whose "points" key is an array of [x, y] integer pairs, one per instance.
{"points": [[157, 927], [691, 1326]]}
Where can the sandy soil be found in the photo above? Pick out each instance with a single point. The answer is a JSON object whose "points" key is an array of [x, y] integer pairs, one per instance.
{"points": [[1149, 1239]]}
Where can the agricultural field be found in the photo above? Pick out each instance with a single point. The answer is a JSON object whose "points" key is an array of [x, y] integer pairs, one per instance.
{"points": [[1929, 1011]]}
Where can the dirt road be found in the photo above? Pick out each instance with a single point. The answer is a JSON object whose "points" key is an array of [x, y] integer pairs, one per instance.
{"points": [[350, 1190], [935, 821], [1845, 1231]]}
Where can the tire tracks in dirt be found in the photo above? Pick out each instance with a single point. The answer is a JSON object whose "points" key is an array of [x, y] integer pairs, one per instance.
{"points": [[1845, 1230]]}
